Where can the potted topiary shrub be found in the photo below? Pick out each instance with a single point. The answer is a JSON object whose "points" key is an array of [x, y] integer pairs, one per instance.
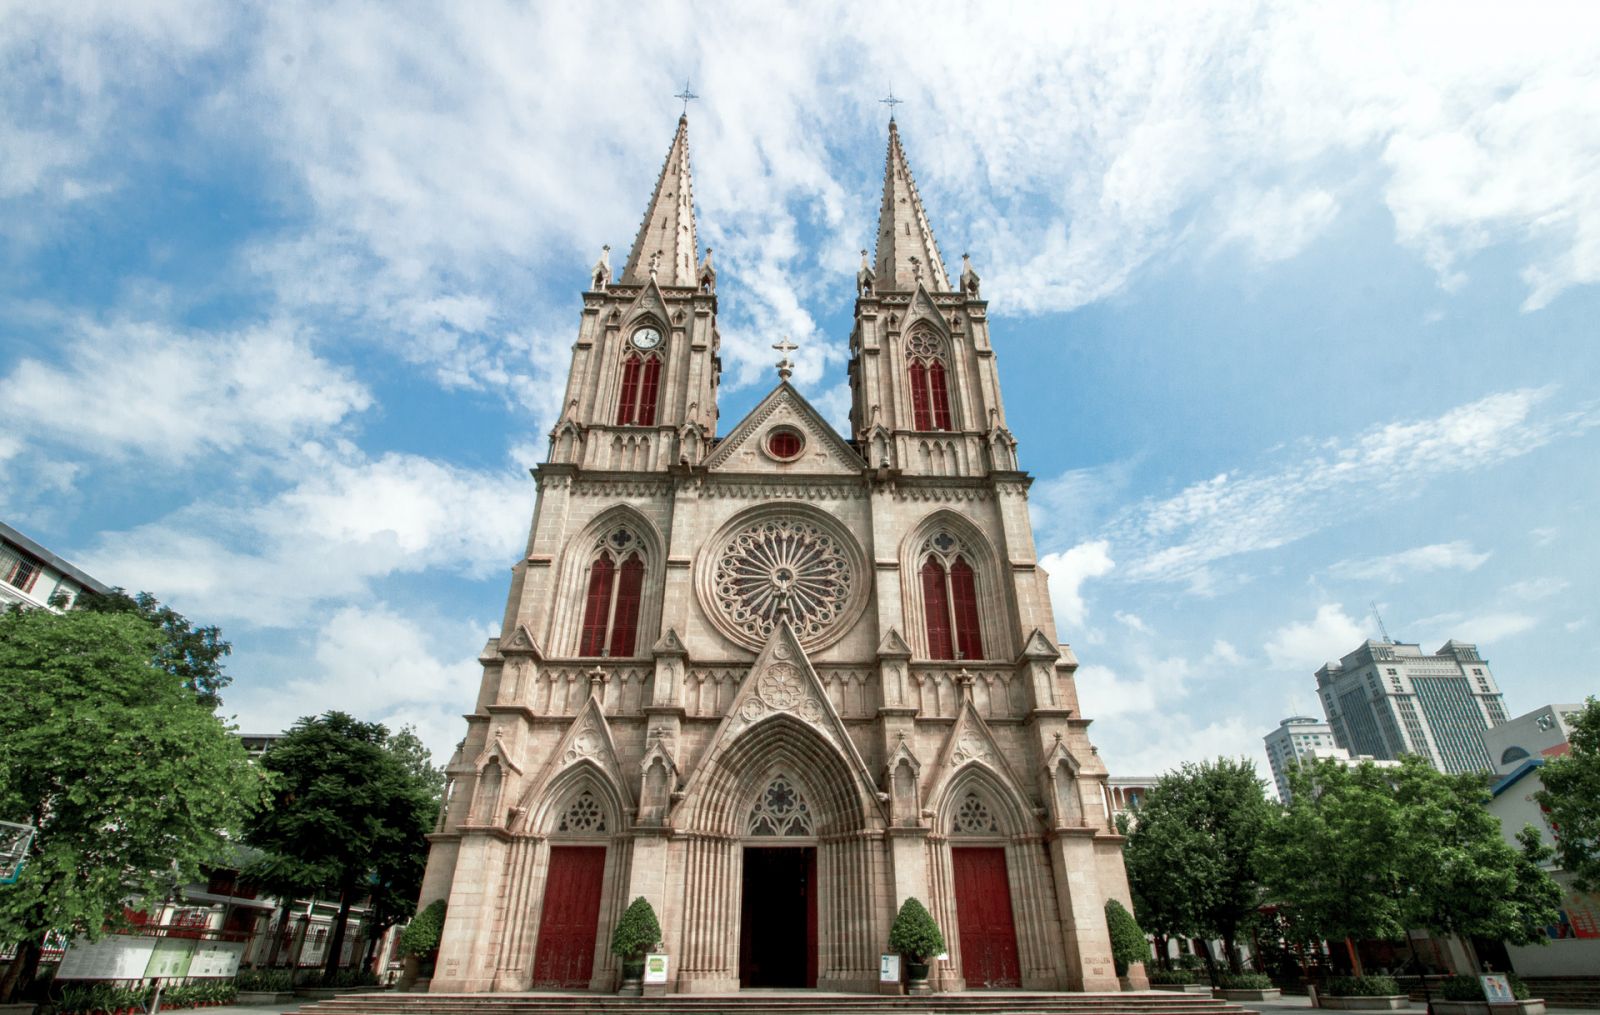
{"points": [[1128, 945], [637, 932], [916, 938], [1363, 992], [419, 946], [1246, 987]]}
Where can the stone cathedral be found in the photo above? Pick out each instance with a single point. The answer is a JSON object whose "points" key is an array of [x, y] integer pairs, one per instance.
{"points": [[780, 680]]}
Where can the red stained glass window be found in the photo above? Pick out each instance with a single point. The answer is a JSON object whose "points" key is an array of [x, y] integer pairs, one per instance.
{"points": [[784, 444], [936, 608], [941, 398], [649, 388], [625, 621], [964, 607], [597, 607], [922, 418], [627, 401]]}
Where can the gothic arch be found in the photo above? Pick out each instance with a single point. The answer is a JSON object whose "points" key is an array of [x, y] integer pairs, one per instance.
{"points": [[579, 555], [993, 592], [557, 797], [780, 743], [1012, 814]]}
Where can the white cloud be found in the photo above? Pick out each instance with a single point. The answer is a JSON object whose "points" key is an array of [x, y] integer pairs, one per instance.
{"points": [[1107, 694], [1394, 567], [324, 540], [1300, 647], [380, 666], [1178, 538], [1275, 225], [1223, 652], [1132, 622], [1162, 741], [1534, 589], [172, 396], [1068, 571]]}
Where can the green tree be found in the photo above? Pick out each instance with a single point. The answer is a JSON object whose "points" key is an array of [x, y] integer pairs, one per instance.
{"points": [[192, 654], [1193, 852], [1370, 852], [1334, 860], [1572, 795], [130, 781], [1127, 940], [349, 816]]}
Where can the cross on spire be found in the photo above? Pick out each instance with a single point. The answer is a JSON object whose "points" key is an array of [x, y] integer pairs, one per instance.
{"points": [[785, 368], [891, 102], [686, 95]]}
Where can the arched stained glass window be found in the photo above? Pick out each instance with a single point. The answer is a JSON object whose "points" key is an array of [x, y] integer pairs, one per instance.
{"points": [[641, 389], [930, 395], [613, 597], [584, 814], [974, 818], [780, 810], [950, 600]]}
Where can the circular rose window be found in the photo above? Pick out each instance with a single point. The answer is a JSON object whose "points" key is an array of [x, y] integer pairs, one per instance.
{"points": [[784, 443], [782, 564]]}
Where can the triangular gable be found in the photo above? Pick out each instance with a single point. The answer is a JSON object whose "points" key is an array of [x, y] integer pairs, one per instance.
{"points": [[893, 646], [1039, 647], [649, 302], [495, 749], [521, 642], [922, 308], [825, 452], [782, 680], [587, 740], [970, 741], [669, 644]]}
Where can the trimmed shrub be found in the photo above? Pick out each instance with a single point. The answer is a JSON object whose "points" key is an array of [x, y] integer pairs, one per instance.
{"points": [[1127, 940], [1172, 977], [276, 980], [421, 935], [913, 933], [1362, 986], [637, 932], [1244, 981]]}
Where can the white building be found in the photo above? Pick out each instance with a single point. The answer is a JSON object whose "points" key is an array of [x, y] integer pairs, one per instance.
{"points": [[33, 576], [1574, 947], [1297, 738], [1387, 699], [1540, 733]]}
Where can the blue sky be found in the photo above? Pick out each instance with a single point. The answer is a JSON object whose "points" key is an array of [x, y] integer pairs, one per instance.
{"points": [[1294, 308]]}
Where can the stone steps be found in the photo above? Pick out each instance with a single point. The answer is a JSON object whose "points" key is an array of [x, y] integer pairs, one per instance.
{"points": [[799, 1002]]}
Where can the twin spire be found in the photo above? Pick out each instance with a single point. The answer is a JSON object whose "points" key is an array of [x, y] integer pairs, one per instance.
{"points": [[665, 247]]}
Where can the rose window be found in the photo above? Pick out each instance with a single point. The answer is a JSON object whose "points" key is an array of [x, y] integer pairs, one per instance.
{"points": [[924, 345], [584, 815], [973, 817], [782, 566], [780, 810]]}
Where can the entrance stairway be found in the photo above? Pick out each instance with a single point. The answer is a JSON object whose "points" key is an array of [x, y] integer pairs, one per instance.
{"points": [[777, 1002]]}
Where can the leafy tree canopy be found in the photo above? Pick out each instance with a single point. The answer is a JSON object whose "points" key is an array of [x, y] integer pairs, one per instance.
{"points": [[914, 933], [1572, 795], [637, 932], [1127, 940], [1192, 854], [349, 815], [192, 654], [130, 781]]}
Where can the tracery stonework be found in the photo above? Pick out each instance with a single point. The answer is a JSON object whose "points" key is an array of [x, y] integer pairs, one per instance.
{"points": [[783, 565], [737, 661]]}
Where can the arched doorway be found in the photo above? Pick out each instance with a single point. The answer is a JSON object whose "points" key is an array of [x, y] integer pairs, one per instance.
{"points": [[778, 899]]}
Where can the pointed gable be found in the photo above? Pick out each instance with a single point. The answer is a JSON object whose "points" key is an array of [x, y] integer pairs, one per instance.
{"points": [[666, 237], [970, 741], [907, 251], [822, 452], [587, 741]]}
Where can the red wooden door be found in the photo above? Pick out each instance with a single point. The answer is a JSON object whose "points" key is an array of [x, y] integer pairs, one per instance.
{"points": [[571, 917], [983, 918]]}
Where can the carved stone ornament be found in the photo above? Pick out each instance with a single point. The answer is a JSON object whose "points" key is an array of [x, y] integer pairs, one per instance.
{"points": [[786, 565], [782, 686], [970, 747]]}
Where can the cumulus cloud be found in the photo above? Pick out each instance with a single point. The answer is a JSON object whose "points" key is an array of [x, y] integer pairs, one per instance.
{"points": [[1394, 567], [325, 539], [1068, 571], [1299, 647], [173, 395]]}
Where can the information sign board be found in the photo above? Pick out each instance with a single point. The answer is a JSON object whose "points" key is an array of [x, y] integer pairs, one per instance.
{"points": [[216, 959], [1497, 989], [888, 968], [655, 967], [113, 957]]}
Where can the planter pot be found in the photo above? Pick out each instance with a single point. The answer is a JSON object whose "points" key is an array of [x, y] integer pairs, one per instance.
{"points": [[328, 993], [1360, 1002], [632, 978], [264, 997], [1183, 988], [16, 1009], [1264, 994], [917, 978]]}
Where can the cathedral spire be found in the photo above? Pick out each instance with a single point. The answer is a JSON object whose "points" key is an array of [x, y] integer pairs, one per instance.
{"points": [[907, 252], [665, 247]]}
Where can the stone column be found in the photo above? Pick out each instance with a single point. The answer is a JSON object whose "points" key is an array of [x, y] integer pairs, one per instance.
{"points": [[1081, 901]]}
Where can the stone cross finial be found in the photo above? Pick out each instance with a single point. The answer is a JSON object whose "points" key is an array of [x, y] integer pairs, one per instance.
{"points": [[597, 682], [964, 681], [785, 368]]}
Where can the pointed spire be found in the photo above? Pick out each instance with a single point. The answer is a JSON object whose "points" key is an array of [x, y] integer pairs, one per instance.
{"points": [[665, 247], [907, 252]]}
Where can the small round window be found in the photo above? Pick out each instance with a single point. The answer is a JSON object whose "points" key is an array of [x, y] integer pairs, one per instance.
{"points": [[784, 443]]}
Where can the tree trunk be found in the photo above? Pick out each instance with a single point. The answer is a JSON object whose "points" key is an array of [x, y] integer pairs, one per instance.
{"points": [[1232, 953], [1211, 964], [277, 927], [330, 968], [1162, 957], [1355, 957], [22, 971]]}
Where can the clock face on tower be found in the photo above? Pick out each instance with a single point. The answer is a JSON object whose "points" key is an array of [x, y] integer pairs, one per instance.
{"points": [[646, 338]]}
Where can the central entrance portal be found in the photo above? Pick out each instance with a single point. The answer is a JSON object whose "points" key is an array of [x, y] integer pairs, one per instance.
{"points": [[778, 917]]}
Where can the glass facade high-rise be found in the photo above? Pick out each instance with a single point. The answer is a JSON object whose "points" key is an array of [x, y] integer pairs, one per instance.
{"points": [[1387, 699]]}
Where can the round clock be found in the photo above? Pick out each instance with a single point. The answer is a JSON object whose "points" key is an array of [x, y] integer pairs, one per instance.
{"points": [[646, 338]]}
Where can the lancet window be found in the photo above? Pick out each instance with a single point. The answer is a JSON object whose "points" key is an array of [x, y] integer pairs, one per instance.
{"points": [[641, 385], [930, 396], [950, 599], [615, 589], [780, 810]]}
